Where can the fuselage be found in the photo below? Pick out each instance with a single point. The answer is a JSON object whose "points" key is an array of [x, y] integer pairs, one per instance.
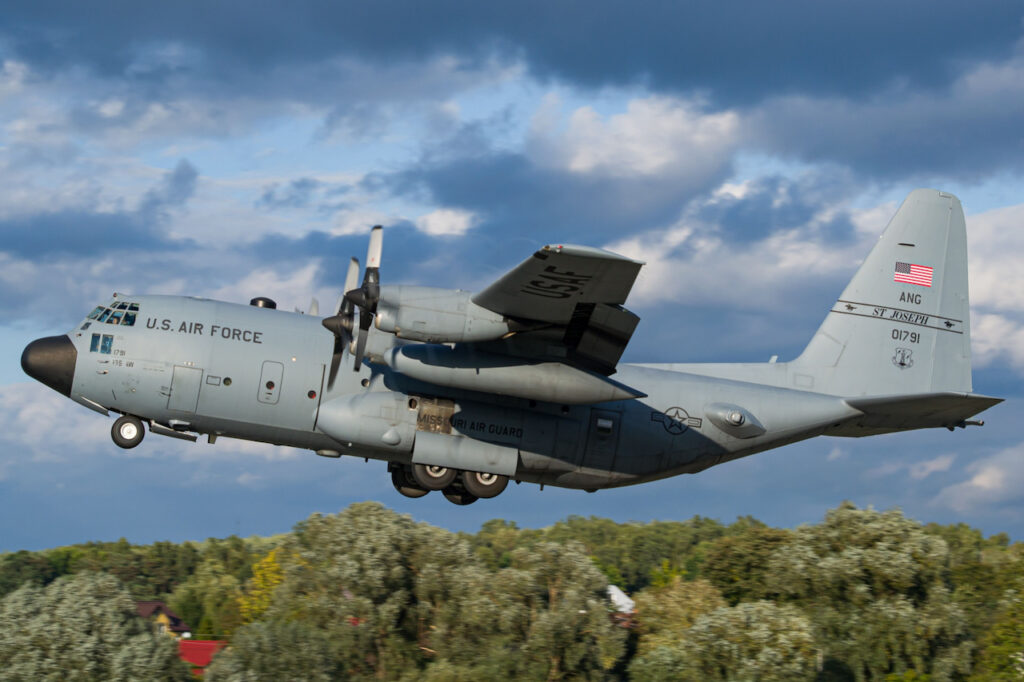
{"points": [[228, 370]]}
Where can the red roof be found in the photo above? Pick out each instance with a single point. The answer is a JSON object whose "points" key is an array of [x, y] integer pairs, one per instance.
{"points": [[198, 652]]}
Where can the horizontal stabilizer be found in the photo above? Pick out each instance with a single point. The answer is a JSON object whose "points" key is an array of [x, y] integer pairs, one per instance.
{"points": [[883, 414]]}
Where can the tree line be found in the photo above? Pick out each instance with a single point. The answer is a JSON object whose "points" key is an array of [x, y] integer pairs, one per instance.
{"points": [[371, 594]]}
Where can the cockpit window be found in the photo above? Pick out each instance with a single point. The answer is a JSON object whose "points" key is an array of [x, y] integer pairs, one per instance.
{"points": [[123, 313]]}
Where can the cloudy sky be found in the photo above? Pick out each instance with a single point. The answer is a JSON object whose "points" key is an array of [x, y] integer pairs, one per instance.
{"points": [[749, 152]]}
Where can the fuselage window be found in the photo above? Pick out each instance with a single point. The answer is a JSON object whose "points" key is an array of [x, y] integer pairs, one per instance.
{"points": [[107, 344], [115, 317], [95, 345], [129, 320], [95, 313]]}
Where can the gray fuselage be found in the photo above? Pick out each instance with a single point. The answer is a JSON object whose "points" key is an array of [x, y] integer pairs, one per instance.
{"points": [[261, 374]]}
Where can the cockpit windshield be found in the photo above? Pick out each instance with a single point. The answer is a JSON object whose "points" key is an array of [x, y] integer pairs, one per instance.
{"points": [[122, 313]]}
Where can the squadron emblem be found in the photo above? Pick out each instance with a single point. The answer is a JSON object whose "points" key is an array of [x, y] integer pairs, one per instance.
{"points": [[903, 358]]}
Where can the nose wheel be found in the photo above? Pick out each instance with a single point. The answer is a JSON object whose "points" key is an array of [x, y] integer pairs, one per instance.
{"points": [[127, 432]]}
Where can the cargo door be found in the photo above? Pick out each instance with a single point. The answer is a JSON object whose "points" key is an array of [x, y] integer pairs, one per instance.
{"points": [[185, 385]]}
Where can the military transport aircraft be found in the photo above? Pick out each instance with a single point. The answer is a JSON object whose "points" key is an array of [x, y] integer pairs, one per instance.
{"points": [[461, 392]]}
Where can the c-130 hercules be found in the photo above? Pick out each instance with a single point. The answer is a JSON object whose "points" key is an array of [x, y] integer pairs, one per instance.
{"points": [[461, 392]]}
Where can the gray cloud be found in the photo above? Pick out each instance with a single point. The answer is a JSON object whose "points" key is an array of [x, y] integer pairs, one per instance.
{"points": [[962, 131], [295, 194], [739, 53], [87, 231]]}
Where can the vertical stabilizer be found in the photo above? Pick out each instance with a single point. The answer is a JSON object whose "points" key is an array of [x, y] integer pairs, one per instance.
{"points": [[902, 324]]}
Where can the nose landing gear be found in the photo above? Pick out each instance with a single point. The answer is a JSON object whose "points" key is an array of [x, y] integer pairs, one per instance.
{"points": [[127, 432]]}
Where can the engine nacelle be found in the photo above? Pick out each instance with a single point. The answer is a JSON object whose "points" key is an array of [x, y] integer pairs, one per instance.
{"points": [[436, 315]]}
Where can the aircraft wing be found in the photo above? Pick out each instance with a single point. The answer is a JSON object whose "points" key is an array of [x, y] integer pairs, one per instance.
{"points": [[568, 301]]}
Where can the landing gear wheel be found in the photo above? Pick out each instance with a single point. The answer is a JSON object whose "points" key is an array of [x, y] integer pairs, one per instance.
{"points": [[433, 477], [404, 483], [456, 494], [483, 485], [127, 432]]}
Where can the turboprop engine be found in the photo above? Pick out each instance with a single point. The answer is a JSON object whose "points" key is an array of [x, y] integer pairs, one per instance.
{"points": [[436, 315]]}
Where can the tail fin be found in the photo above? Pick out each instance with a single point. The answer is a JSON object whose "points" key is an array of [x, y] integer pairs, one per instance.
{"points": [[902, 324]]}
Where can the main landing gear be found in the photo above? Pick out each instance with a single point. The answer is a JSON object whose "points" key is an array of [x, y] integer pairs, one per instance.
{"points": [[127, 431], [458, 487]]}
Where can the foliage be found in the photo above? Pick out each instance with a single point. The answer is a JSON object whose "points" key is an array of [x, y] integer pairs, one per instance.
{"points": [[1002, 648], [752, 641], [876, 589], [84, 628], [395, 598], [738, 564], [275, 651], [665, 614], [370, 593], [209, 601], [267, 574]]}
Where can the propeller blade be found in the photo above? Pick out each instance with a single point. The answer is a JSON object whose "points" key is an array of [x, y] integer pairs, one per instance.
{"points": [[339, 349], [376, 246], [351, 281], [367, 296], [341, 324], [364, 329]]}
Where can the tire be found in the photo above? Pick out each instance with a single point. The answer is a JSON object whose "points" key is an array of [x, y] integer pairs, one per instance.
{"points": [[433, 477], [403, 481], [456, 494], [127, 432], [483, 485]]}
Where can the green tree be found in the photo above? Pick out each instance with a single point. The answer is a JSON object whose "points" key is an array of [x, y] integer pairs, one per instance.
{"points": [[1001, 655], [738, 564], [756, 641], [876, 589], [22, 567], [82, 627], [665, 614], [208, 600], [560, 614], [275, 651]]}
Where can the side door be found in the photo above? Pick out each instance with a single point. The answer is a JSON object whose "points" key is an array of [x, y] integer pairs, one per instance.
{"points": [[185, 385], [602, 439]]}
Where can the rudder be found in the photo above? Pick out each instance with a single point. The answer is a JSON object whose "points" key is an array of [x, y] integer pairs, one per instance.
{"points": [[902, 324]]}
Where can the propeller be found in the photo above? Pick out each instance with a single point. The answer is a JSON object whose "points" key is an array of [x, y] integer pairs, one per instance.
{"points": [[341, 323], [367, 296]]}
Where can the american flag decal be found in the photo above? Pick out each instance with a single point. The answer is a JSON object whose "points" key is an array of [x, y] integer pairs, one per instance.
{"points": [[908, 273]]}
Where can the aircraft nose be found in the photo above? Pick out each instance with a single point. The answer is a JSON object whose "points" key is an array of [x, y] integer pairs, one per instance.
{"points": [[51, 360]]}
